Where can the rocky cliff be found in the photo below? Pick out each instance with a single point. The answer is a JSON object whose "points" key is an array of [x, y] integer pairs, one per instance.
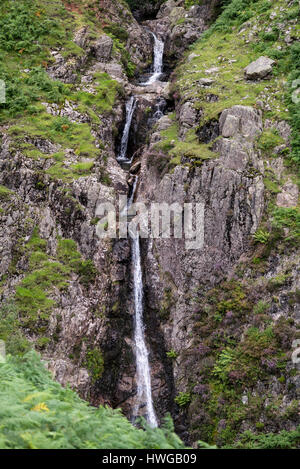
{"points": [[221, 320]]}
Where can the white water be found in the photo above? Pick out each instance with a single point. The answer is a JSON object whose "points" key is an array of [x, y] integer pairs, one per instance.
{"points": [[143, 375], [144, 403], [130, 107], [158, 61], [144, 394]]}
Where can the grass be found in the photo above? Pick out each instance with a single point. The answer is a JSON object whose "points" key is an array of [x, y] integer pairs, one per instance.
{"points": [[189, 149], [34, 294], [224, 46], [102, 101], [5, 193]]}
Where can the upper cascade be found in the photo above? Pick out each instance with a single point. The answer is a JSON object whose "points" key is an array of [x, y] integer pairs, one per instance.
{"points": [[158, 61]]}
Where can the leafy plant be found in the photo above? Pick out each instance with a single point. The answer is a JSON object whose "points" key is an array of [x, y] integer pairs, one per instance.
{"points": [[183, 399], [261, 236], [172, 354]]}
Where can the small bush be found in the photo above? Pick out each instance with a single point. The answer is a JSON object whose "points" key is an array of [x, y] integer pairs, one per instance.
{"points": [[183, 399], [261, 236]]}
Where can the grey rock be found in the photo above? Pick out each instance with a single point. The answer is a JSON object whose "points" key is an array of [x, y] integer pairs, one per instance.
{"points": [[244, 119], [260, 68], [230, 126], [102, 48], [289, 195], [81, 37]]}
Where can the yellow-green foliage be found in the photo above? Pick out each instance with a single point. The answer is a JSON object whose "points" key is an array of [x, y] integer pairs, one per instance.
{"points": [[5, 193], [37, 412]]}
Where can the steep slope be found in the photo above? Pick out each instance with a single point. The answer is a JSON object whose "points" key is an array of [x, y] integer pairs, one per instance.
{"points": [[65, 66], [220, 321], [229, 312]]}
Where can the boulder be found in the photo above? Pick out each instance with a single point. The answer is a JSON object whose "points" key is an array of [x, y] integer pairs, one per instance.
{"points": [[103, 48], [260, 68], [81, 36], [289, 196], [240, 119]]}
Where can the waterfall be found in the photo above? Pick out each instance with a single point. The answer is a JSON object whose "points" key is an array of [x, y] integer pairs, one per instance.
{"points": [[144, 393], [143, 375], [158, 61], [130, 107], [144, 402]]}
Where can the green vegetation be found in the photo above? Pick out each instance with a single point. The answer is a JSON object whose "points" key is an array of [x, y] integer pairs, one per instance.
{"points": [[189, 149], [183, 399], [95, 363], [261, 236], [102, 101], [288, 218], [294, 84], [29, 30], [10, 331], [5, 193], [33, 298], [268, 140], [37, 412], [225, 47], [282, 440], [172, 354]]}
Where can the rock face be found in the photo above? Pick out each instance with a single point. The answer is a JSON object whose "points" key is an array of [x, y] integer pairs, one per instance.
{"points": [[215, 316], [103, 48], [177, 279], [260, 68], [242, 120]]}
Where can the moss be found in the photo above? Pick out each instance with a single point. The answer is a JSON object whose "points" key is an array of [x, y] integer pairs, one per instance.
{"points": [[268, 140], [5, 193], [95, 363]]}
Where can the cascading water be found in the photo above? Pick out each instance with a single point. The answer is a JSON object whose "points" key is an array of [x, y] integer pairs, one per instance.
{"points": [[130, 107], [158, 61], [143, 375], [143, 378], [144, 403]]}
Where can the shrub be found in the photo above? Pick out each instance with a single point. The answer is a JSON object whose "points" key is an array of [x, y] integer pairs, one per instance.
{"points": [[282, 440], [183, 399], [172, 354], [22, 25], [261, 236]]}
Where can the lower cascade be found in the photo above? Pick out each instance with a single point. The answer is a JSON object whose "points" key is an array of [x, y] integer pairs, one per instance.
{"points": [[144, 393]]}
